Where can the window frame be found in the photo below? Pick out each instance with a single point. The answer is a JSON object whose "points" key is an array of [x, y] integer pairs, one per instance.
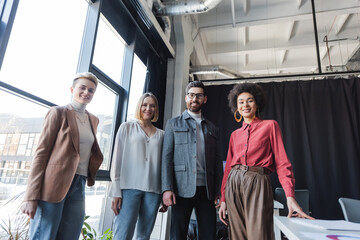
{"points": [[8, 10], [134, 44]]}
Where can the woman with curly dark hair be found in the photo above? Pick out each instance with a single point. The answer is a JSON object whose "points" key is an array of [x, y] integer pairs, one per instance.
{"points": [[255, 150]]}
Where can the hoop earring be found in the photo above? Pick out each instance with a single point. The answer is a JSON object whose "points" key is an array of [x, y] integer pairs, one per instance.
{"points": [[237, 119]]}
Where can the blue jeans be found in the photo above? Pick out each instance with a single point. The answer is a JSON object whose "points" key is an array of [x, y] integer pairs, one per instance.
{"points": [[61, 220], [137, 208]]}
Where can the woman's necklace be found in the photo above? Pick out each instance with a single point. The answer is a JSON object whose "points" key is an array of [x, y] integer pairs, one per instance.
{"points": [[149, 130], [82, 121]]}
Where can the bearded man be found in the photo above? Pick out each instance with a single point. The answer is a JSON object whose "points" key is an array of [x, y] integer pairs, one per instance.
{"points": [[192, 168]]}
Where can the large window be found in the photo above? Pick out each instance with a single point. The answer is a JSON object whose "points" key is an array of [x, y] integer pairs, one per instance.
{"points": [[43, 49], [20, 126], [41, 59], [103, 105], [109, 50], [108, 57], [138, 77]]}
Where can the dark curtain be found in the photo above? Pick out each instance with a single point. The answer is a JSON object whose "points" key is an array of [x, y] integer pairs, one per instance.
{"points": [[156, 83], [320, 122]]}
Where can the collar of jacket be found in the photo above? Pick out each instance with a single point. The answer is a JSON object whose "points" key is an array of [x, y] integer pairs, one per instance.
{"points": [[187, 116]]}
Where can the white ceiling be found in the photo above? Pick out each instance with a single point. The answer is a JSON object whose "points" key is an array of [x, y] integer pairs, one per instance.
{"points": [[266, 37]]}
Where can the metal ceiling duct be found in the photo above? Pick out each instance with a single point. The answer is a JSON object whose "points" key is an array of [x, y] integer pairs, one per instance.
{"points": [[167, 26], [211, 69], [184, 7], [143, 15]]}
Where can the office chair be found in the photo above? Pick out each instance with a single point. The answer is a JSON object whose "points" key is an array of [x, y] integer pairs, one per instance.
{"points": [[301, 196], [351, 209]]}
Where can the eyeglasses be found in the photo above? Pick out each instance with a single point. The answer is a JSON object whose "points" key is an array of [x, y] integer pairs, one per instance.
{"points": [[197, 95]]}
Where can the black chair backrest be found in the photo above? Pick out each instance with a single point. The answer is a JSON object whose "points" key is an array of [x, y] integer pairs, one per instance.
{"points": [[351, 209], [301, 196]]}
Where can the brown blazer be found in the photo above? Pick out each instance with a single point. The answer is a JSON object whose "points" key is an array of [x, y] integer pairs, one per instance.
{"points": [[57, 156]]}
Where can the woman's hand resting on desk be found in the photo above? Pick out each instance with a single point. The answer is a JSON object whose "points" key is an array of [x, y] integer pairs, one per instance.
{"points": [[295, 210], [222, 213]]}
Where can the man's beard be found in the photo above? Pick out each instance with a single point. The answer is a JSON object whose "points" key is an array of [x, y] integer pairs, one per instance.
{"points": [[195, 109]]}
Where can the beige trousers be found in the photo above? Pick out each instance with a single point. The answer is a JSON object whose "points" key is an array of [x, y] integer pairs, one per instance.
{"points": [[249, 202]]}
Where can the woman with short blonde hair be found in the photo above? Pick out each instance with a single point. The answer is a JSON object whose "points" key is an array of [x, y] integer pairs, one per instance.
{"points": [[68, 155]]}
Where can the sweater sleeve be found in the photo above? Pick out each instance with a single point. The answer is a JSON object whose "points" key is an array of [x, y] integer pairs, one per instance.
{"points": [[116, 164], [167, 163], [282, 164], [43, 152]]}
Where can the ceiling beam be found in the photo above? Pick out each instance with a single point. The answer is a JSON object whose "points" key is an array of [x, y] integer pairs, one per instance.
{"points": [[246, 59], [246, 7], [263, 67], [290, 29], [298, 3], [214, 22], [244, 33], [289, 65], [282, 56], [254, 22], [199, 48], [323, 52], [339, 22], [303, 41], [233, 12]]}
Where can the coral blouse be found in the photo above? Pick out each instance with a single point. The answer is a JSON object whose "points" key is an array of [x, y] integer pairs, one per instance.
{"points": [[260, 144]]}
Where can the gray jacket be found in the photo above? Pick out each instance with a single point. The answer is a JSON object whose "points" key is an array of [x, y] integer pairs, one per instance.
{"points": [[178, 167]]}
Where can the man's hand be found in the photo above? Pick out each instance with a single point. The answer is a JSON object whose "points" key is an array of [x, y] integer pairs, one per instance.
{"points": [[169, 198], [29, 208], [295, 210], [116, 205], [222, 213]]}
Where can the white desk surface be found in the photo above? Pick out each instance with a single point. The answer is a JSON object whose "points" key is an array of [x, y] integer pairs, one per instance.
{"points": [[295, 231], [278, 205]]}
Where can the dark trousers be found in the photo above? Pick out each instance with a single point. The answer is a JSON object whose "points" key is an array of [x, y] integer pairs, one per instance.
{"points": [[205, 216]]}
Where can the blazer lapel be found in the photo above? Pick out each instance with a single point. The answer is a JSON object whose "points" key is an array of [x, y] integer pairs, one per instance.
{"points": [[74, 130], [93, 122]]}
